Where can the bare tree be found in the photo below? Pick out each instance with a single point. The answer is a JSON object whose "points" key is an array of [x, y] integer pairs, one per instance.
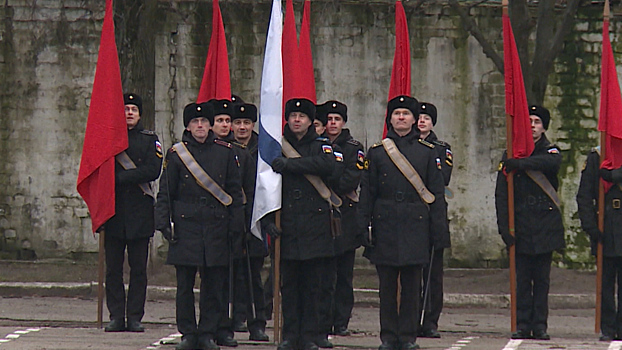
{"points": [[551, 29]]}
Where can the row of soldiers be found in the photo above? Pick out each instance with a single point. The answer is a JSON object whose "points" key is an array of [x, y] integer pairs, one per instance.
{"points": [[391, 200], [204, 206]]}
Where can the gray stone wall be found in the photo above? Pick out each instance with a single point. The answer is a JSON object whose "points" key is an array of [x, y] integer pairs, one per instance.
{"points": [[48, 56]]}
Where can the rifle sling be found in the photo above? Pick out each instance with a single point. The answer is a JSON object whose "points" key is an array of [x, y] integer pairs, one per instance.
{"points": [[407, 170], [199, 174], [290, 152], [127, 164]]}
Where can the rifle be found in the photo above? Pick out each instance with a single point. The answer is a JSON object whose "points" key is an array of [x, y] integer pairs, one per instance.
{"points": [[230, 306], [170, 208], [250, 280], [426, 291]]}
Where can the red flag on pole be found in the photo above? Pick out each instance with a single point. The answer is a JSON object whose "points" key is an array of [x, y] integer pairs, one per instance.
{"points": [[216, 82], [610, 118], [515, 97], [307, 85], [400, 75], [291, 60], [106, 130]]}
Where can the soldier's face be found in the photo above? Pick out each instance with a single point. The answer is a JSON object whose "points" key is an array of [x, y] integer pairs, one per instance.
{"points": [[424, 123], [242, 128], [402, 120], [537, 128], [298, 123], [222, 125], [132, 116], [199, 128], [319, 127], [335, 124]]}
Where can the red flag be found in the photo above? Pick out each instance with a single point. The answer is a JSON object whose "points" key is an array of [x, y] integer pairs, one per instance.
{"points": [[216, 83], [307, 85], [106, 130], [515, 97], [400, 75], [291, 61], [610, 119]]}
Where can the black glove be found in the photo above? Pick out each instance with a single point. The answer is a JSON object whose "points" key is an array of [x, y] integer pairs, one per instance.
{"points": [[606, 174], [166, 232], [596, 235], [508, 239], [278, 164], [272, 231], [512, 164]]}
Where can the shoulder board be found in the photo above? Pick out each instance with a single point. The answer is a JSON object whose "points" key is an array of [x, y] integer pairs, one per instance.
{"points": [[440, 143], [376, 144], [322, 139], [354, 142], [426, 143], [148, 132], [237, 144], [222, 143], [596, 149]]}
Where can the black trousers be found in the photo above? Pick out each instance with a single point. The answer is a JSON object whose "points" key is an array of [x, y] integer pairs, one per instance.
{"points": [[611, 315], [300, 291], [242, 306], [337, 294], [137, 252], [434, 306], [399, 325], [212, 303], [532, 291]]}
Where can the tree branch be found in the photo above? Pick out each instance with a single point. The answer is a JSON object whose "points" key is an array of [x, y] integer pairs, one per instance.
{"points": [[472, 28]]}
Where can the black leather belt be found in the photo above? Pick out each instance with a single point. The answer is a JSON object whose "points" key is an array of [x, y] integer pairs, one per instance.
{"points": [[399, 196]]}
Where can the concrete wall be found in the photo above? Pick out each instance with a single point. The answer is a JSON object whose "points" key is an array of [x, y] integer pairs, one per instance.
{"points": [[47, 63]]}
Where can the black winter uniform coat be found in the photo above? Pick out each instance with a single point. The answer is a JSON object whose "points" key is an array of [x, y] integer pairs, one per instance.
{"points": [[133, 208], [248, 166], [305, 216], [403, 226], [202, 223], [445, 158], [538, 222], [587, 201], [348, 181]]}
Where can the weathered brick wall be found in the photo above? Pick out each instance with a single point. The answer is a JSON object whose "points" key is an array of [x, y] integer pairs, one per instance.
{"points": [[48, 57]]}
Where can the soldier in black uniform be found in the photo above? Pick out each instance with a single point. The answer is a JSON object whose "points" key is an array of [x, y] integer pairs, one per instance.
{"points": [[587, 201], [244, 118], [404, 222], [132, 225], [306, 237], [338, 299], [429, 329], [207, 214], [538, 225]]}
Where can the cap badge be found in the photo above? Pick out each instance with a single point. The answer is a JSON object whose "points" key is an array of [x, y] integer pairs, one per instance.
{"points": [[242, 109], [401, 99], [298, 104], [198, 108]]}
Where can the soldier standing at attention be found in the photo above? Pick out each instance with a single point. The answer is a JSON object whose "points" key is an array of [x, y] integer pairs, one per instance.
{"points": [[402, 198], [427, 121], [538, 225], [587, 201], [306, 237], [243, 122], [201, 195], [133, 225], [338, 295]]}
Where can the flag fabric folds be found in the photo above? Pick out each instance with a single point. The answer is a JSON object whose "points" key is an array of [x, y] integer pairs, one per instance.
{"points": [[216, 83], [515, 97], [268, 183], [610, 117], [106, 130], [306, 58], [400, 75]]}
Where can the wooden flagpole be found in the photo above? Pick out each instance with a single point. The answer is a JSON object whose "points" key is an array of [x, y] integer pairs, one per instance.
{"points": [[100, 278], [277, 283], [510, 180], [601, 216]]}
